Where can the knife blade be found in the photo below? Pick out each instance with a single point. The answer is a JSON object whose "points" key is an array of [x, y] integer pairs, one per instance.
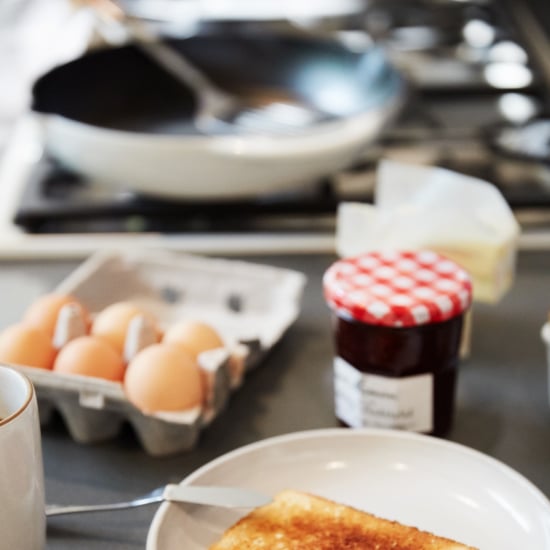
{"points": [[228, 497]]}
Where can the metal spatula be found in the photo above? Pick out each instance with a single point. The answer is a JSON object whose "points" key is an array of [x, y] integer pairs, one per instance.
{"points": [[226, 497]]}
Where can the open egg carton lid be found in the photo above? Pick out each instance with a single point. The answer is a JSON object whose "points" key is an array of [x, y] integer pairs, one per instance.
{"points": [[250, 305]]}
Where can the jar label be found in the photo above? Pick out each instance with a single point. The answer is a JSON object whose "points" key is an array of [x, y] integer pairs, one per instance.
{"points": [[371, 400]]}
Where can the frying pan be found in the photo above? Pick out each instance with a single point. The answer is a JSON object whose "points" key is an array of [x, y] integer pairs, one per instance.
{"points": [[116, 118]]}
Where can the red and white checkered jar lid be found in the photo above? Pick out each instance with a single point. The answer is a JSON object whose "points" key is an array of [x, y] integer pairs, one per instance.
{"points": [[397, 289]]}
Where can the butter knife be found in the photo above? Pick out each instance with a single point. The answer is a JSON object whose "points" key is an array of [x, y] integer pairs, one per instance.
{"points": [[226, 497]]}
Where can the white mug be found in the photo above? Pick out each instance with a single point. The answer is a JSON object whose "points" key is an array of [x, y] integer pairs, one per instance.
{"points": [[22, 516]]}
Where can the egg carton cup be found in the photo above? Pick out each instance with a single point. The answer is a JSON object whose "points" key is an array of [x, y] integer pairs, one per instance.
{"points": [[95, 410], [250, 305]]}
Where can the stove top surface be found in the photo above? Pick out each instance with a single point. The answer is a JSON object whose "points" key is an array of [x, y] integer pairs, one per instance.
{"points": [[479, 105], [434, 130]]}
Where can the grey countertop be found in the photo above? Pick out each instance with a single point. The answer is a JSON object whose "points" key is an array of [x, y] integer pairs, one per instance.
{"points": [[502, 406]]}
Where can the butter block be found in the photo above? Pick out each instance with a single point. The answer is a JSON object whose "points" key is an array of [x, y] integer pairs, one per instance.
{"points": [[420, 207]]}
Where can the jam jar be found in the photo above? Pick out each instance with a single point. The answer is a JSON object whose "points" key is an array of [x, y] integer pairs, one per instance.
{"points": [[397, 319]]}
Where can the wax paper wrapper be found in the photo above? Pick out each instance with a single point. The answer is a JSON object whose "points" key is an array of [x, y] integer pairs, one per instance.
{"points": [[422, 207]]}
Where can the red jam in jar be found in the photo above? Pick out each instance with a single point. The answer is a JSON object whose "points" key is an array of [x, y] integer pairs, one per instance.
{"points": [[397, 326]]}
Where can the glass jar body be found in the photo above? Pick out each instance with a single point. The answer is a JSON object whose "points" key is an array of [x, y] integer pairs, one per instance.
{"points": [[402, 378]]}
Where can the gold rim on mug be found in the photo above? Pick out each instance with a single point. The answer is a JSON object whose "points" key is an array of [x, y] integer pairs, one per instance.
{"points": [[23, 407]]}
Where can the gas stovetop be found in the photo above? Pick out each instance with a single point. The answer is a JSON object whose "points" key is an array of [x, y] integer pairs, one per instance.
{"points": [[480, 92]]}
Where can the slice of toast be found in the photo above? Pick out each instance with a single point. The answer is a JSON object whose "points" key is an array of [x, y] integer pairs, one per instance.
{"points": [[301, 521]]}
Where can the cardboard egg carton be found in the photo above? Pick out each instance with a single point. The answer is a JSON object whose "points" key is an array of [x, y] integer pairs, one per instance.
{"points": [[250, 305]]}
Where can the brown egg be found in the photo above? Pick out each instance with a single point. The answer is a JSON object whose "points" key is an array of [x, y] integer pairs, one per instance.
{"points": [[44, 312], [194, 336], [164, 377], [23, 344], [90, 356], [112, 323]]}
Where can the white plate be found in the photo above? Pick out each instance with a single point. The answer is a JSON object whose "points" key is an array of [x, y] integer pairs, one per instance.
{"points": [[430, 483]]}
